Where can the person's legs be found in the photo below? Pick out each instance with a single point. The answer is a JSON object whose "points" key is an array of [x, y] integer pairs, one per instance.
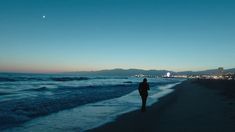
{"points": [[144, 99]]}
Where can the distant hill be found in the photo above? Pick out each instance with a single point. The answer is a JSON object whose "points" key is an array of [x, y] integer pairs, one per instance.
{"points": [[122, 72], [131, 72]]}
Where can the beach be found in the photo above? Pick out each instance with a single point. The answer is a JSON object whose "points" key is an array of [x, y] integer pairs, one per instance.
{"points": [[71, 103], [194, 106]]}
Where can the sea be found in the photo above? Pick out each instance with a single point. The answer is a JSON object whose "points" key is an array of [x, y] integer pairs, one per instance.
{"points": [[69, 102]]}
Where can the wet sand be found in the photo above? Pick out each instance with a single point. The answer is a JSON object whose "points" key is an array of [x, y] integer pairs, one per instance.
{"points": [[195, 106]]}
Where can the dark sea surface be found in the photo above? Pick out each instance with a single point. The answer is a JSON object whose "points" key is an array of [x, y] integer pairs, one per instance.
{"points": [[24, 97]]}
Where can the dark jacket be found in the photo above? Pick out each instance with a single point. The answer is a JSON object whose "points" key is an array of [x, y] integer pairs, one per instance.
{"points": [[143, 89]]}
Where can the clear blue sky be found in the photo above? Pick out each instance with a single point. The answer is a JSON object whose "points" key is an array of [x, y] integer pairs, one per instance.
{"points": [[80, 35]]}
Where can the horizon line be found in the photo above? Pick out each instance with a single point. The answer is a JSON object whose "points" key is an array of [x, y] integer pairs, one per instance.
{"points": [[62, 72]]}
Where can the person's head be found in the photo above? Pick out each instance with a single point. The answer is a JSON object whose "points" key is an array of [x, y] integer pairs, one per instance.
{"points": [[145, 80]]}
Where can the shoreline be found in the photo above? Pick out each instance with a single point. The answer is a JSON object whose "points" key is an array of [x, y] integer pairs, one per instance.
{"points": [[91, 115], [193, 106], [115, 124]]}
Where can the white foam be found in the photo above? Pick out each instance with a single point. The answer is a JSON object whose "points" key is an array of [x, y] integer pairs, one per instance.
{"points": [[92, 115]]}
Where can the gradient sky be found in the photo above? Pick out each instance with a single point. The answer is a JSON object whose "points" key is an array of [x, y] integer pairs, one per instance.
{"points": [[80, 35]]}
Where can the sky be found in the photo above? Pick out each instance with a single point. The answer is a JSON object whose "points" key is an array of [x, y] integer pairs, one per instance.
{"points": [[77, 35]]}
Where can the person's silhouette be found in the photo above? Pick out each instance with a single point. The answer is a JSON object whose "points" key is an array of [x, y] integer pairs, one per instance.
{"points": [[143, 91]]}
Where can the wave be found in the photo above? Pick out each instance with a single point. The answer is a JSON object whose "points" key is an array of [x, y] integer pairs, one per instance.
{"points": [[40, 89], [59, 79], [113, 77], [55, 78], [15, 79], [5, 79], [128, 82], [24, 109], [4, 93], [63, 79]]}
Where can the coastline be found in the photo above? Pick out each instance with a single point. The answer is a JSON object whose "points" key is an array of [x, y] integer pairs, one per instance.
{"points": [[92, 115], [195, 105]]}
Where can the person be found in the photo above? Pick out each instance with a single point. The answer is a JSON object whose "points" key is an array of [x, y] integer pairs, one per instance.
{"points": [[143, 91]]}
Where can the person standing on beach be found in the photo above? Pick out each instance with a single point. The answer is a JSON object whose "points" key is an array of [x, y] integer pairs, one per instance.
{"points": [[143, 91]]}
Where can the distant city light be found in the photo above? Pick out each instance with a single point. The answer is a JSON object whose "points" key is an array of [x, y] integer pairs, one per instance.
{"points": [[168, 74]]}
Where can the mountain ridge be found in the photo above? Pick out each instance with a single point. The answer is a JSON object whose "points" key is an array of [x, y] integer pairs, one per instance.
{"points": [[131, 72]]}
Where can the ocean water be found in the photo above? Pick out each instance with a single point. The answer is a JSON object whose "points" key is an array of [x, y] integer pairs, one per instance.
{"points": [[33, 102]]}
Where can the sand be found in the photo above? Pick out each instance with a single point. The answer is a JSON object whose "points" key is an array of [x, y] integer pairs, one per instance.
{"points": [[195, 106]]}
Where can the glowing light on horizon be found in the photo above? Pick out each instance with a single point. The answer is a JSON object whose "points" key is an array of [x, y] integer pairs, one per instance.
{"points": [[168, 74]]}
